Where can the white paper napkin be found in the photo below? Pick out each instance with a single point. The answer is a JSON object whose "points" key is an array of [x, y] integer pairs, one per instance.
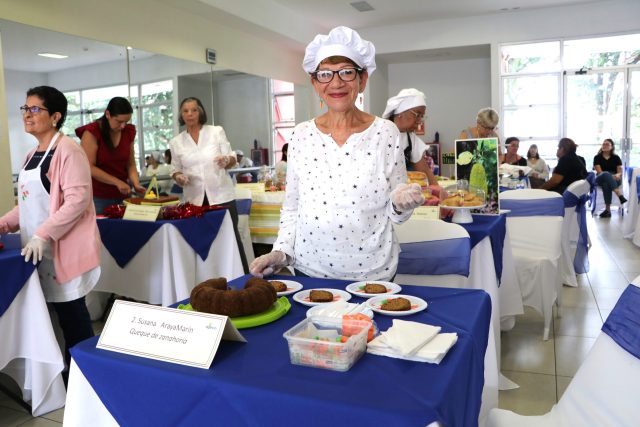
{"points": [[406, 337]]}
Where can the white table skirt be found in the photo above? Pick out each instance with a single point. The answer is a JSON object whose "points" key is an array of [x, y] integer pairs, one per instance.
{"points": [[166, 268], [30, 353], [631, 222]]}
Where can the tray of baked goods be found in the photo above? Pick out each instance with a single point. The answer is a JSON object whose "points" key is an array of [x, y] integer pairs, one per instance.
{"points": [[461, 198], [254, 305]]}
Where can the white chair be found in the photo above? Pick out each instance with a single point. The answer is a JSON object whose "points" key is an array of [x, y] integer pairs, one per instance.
{"points": [[604, 391], [534, 226], [574, 244], [449, 262], [630, 221], [243, 203]]}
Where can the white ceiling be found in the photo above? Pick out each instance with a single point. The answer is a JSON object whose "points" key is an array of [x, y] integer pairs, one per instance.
{"points": [[292, 22]]}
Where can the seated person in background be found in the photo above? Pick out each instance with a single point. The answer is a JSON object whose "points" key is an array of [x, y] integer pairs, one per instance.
{"points": [[281, 166], [608, 167], [244, 162], [569, 169], [486, 124], [511, 157], [175, 188], [155, 168], [539, 170]]}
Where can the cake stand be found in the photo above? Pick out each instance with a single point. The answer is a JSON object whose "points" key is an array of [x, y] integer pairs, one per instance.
{"points": [[462, 214]]}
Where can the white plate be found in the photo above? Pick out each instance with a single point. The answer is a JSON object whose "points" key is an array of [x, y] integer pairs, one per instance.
{"points": [[303, 296], [292, 287], [417, 304], [357, 288], [341, 307]]}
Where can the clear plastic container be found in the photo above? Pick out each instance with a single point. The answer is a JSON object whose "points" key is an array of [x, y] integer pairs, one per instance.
{"points": [[314, 342]]}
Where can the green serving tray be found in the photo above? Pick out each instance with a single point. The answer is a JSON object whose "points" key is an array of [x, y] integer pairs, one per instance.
{"points": [[277, 310]]}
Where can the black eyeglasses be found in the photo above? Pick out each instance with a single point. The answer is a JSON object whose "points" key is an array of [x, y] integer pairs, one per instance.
{"points": [[345, 74], [34, 109]]}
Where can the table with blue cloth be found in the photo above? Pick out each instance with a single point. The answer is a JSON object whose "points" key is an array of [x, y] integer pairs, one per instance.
{"points": [[160, 262], [254, 383], [29, 352]]}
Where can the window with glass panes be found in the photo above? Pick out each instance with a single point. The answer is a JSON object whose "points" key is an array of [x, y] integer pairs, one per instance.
{"points": [[283, 114]]}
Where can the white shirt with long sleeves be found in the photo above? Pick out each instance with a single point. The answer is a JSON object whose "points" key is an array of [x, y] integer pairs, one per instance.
{"points": [[540, 169], [336, 219], [196, 161]]}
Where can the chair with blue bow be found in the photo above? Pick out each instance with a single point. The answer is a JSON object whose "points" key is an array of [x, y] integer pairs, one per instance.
{"points": [[243, 204], [575, 236], [597, 198], [534, 224], [604, 391], [630, 221]]}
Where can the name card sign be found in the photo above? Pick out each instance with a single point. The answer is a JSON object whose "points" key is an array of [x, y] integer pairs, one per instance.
{"points": [[426, 212], [254, 187], [177, 336], [141, 212]]}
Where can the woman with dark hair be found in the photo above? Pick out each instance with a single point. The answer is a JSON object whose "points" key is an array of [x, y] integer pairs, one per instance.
{"points": [[108, 143], [511, 156], [55, 216], [608, 167], [570, 167], [201, 155], [539, 170], [281, 166]]}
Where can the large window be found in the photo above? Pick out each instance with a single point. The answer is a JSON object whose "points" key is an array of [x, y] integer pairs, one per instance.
{"points": [[283, 114], [153, 112], [581, 89]]}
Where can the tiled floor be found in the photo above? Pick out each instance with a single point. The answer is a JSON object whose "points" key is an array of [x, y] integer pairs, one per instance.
{"points": [[543, 369]]}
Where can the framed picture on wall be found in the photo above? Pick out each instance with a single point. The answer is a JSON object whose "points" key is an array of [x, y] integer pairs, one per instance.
{"points": [[432, 156]]}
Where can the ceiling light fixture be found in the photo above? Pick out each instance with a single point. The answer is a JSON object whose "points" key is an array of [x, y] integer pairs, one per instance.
{"points": [[53, 55], [362, 6]]}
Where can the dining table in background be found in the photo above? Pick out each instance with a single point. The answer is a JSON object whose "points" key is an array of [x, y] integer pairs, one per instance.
{"points": [[254, 383], [29, 353], [160, 262]]}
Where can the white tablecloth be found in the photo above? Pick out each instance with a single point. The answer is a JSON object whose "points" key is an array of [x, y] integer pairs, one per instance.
{"points": [[29, 352], [166, 268]]}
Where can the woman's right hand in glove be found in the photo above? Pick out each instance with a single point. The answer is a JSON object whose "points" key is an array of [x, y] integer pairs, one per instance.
{"points": [[266, 265]]}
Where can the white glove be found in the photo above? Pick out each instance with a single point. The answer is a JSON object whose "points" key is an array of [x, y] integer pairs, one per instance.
{"points": [[35, 247], [406, 197], [265, 265], [221, 161], [181, 179]]}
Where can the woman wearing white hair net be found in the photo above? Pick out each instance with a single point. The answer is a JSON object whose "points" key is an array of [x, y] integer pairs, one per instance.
{"points": [[346, 178]]}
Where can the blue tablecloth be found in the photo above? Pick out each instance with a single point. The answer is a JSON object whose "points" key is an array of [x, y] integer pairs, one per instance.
{"points": [[124, 238], [494, 226], [254, 383], [14, 271]]}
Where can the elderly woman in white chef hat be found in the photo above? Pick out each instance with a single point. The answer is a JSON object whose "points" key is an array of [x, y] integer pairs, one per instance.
{"points": [[407, 110], [346, 177]]}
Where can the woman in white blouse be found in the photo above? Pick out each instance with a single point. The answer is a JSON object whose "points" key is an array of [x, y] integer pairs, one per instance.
{"points": [[539, 170], [200, 156], [346, 177]]}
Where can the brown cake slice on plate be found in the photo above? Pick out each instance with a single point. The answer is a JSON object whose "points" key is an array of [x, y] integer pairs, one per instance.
{"points": [[396, 304], [375, 288], [320, 296]]}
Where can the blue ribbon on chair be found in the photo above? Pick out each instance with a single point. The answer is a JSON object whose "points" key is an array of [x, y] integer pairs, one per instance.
{"points": [[629, 172], [243, 206], [581, 260], [436, 257], [591, 179], [623, 324], [533, 207], [638, 187]]}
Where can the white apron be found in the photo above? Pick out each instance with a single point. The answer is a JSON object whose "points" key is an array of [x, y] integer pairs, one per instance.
{"points": [[33, 203]]}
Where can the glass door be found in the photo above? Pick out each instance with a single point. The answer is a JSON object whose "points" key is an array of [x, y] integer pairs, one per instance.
{"points": [[595, 110], [634, 118]]}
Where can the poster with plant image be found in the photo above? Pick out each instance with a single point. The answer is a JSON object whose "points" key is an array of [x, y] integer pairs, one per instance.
{"points": [[477, 163]]}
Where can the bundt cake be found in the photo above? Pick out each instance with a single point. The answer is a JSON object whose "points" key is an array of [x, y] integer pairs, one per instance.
{"points": [[214, 296]]}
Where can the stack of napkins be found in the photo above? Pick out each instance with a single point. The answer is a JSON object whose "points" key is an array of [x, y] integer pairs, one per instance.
{"points": [[413, 341]]}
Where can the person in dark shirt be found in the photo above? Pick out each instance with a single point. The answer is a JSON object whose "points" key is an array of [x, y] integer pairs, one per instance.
{"points": [[569, 169], [608, 167]]}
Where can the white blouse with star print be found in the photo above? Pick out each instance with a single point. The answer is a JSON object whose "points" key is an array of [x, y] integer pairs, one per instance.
{"points": [[336, 219]]}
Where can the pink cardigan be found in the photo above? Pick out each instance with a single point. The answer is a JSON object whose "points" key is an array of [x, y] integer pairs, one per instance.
{"points": [[71, 226]]}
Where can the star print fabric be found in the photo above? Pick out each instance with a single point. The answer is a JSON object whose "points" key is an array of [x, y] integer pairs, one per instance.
{"points": [[336, 219]]}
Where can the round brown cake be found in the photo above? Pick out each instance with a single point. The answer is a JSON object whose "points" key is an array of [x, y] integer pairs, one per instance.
{"points": [[213, 296]]}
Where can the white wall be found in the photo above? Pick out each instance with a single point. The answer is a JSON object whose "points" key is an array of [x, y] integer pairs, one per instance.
{"points": [[242, 108], [455, 91], [377, 90], [17, 84]]}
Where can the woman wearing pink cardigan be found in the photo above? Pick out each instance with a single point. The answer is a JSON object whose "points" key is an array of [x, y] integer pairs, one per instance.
{"points": [[55, 214]]}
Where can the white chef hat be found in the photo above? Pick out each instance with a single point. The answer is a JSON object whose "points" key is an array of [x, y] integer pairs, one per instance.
{"points": [[239, 153], [403, 101], [156, 155], [341, 41]]}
